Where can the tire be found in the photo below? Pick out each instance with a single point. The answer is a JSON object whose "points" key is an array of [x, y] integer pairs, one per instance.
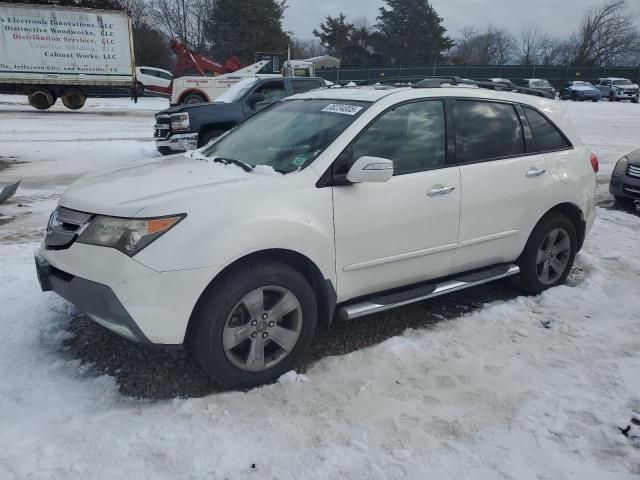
{"points": [[533, 260], [224, 334], [41, 99], [625, 201], [635, 100], [595, 100], [206, 137], [612, 98], [73, 99], [192, 98]]}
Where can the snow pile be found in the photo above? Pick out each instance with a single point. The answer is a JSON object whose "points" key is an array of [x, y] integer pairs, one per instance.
{"points": [[495, 394]]}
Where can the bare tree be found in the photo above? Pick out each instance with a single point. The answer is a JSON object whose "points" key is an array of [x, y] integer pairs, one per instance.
{"points": [[184, 20], [306, 48], [494, 46], [607, 34], [532, 41]]}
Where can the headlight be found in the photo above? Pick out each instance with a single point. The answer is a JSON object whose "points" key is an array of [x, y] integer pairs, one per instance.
{"points": [[180, 122], [621, 166], [129, 235]]}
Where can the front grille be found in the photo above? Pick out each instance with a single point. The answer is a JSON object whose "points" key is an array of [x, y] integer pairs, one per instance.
{"points": [[64, 228], [633, 171], [162, 128]]}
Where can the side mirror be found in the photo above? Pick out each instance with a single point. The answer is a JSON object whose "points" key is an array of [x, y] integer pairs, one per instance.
{"points": [[255, 98], [370, 169]]}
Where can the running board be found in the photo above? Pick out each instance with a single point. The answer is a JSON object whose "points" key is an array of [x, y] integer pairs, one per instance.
{"points": [[387, 301]]}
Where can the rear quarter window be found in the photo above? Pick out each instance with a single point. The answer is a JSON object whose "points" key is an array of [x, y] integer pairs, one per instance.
{"points": [[547, 136], [486, 130]]}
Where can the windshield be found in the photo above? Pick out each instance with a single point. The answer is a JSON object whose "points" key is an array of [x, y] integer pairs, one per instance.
{"points": [[540, 83], [289, 135], [237, 90], [622, 82]]}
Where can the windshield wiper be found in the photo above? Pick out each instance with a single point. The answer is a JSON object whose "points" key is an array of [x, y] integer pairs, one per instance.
{"points": [[232, 161]]}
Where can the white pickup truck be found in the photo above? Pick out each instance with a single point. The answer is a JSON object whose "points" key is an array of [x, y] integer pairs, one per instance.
{"points": [[49, 52]]}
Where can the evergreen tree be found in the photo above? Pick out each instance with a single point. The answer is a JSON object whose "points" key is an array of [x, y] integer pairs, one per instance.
{"points": [[344, 40], [243, 28], [410, 32]]}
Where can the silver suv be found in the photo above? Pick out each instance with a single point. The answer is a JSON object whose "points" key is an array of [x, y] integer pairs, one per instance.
{"points": [[618, 89]]}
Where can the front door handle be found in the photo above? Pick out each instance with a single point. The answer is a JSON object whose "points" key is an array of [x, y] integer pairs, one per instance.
{"points": [[438, 190], [535, 172]]}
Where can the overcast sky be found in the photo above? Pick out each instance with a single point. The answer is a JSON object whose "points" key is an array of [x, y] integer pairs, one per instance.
{"points": [[558, 17]]}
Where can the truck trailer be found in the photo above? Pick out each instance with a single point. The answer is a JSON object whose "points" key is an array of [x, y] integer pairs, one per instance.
{"points": [[50, 52]]}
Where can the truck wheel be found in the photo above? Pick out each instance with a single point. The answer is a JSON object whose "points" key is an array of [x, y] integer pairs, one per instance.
{"points": [[192, 98], [548, 255], [254, 324], [73, 99], [634, 100], [41, 99], [612, 97], [206, 137]]}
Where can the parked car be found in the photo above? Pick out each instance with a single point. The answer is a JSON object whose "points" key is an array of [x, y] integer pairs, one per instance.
{"points": [[153, 80], [506, 81], [186, 127], [625, 180], [538, 84], [332, 203], [616, 89], [580, 91]]}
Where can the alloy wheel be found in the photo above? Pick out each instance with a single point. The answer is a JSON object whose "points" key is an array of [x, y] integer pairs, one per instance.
{"points": [[553, 256], [262, 328]]}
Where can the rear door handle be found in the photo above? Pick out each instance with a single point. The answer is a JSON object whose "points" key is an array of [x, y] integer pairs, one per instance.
{"points": [[438, 190], [535, 172]]}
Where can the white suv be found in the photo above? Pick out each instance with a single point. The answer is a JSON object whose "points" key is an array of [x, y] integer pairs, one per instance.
{"points": [[330, 203]]}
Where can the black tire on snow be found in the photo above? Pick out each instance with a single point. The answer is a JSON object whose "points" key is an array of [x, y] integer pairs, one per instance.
{"points": [[529, 281], [192, 99], [208, 320]]}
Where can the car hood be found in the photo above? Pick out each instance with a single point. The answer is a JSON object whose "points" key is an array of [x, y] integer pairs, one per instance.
{"points": [[123, 192]]}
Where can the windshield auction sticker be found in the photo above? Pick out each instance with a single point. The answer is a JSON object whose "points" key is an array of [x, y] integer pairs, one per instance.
{"points": [[342, 108]]}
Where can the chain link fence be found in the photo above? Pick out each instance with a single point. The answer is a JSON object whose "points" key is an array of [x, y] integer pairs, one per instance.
{"points": [[557, 75]]}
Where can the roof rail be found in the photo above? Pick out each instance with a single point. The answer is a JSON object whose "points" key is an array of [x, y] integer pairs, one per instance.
{"points": [[437, 82]]}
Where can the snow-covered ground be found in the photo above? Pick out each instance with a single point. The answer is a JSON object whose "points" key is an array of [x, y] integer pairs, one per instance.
{"points": [[530, 388]]}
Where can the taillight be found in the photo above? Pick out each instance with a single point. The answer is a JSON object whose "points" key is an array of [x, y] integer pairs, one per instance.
{"points": [[594, 163]]}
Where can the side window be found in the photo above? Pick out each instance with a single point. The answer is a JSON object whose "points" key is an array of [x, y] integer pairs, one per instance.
{"points": [[486, 131], [272, 91], [412, 135], [145, 71], [300, 86], [165, 76], [546, 135]]}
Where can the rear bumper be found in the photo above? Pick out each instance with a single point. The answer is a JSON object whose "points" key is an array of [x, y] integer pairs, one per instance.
{"points": [[624, 186]]}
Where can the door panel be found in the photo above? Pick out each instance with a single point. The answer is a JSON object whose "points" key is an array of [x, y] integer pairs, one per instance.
{"points": [[501, 202]]}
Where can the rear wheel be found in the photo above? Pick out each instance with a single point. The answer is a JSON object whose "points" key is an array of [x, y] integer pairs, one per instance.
{"points": [[634, 100], [73, 99], [612, 97], [193, 98], [254, 324], [549, 254]]}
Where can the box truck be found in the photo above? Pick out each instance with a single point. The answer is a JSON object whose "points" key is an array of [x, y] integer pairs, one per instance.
{"points": [[50, 52]]}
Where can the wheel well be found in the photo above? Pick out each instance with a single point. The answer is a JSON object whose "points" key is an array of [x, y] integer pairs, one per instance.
{"points": [[323, 288], [189, 92], [216, 126], [574, 214]]}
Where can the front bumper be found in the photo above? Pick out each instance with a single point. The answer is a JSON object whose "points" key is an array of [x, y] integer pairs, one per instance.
{"points": [[177, 143], [624, 186], [125, 296], [626, 95]]}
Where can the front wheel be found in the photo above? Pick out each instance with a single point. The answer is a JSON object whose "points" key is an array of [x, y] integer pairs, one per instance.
{"points": [[548, 255], [253, 324], [625, 201], [612, 97], [192, 99]]}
